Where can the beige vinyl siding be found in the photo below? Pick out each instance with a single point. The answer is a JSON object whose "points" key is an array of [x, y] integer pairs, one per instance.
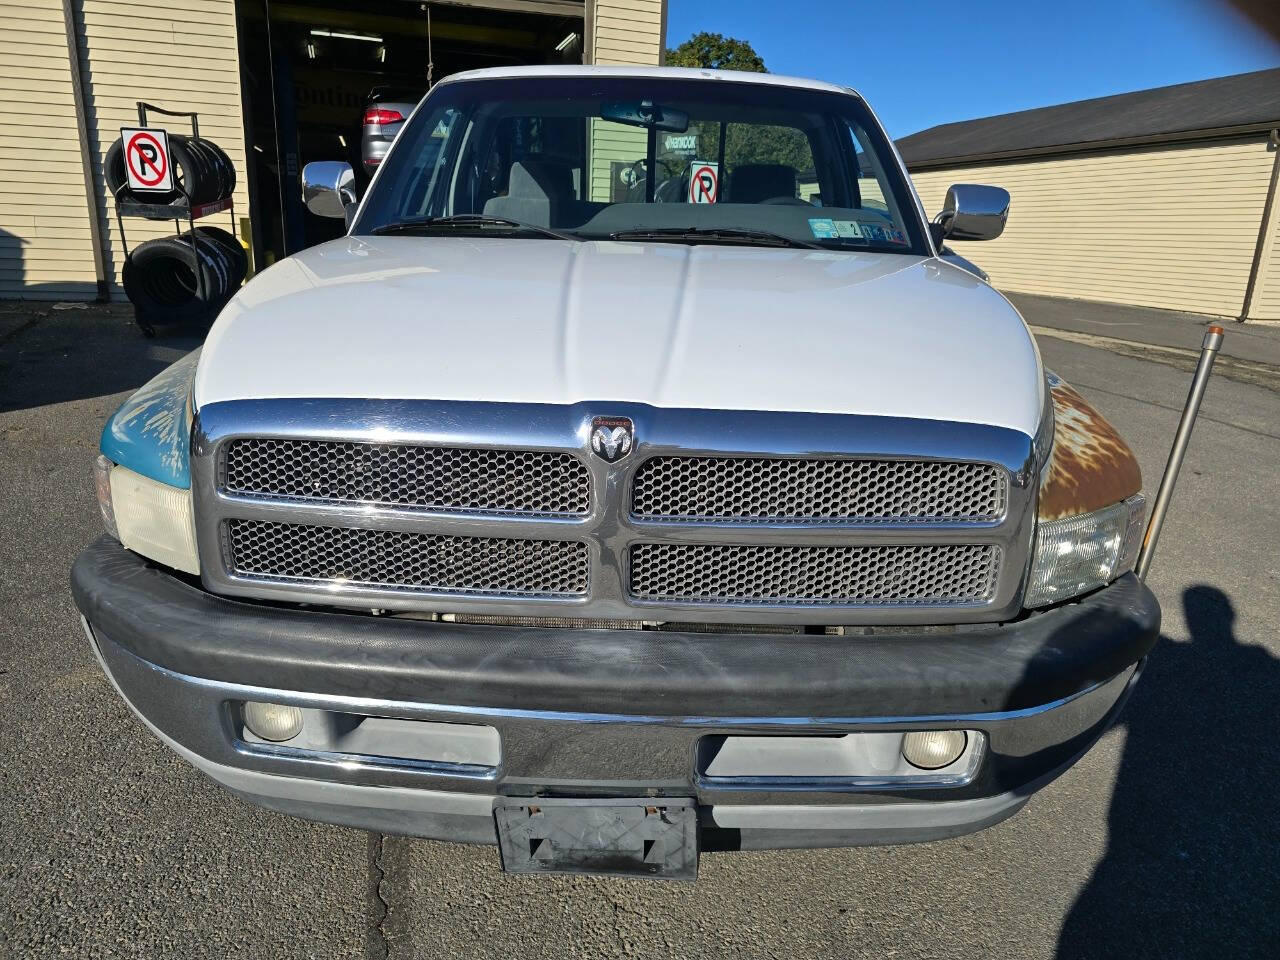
{"points": [[627, 32], [1265, 304], [180, 55], [1172, 226], [46, 251], [612, 142]]}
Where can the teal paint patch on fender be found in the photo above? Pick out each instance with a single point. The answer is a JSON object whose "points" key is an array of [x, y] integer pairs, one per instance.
{"points": [[151, 432]]}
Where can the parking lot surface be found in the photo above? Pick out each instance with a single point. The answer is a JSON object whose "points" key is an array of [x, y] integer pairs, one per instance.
{"points": [[1161, 842]]}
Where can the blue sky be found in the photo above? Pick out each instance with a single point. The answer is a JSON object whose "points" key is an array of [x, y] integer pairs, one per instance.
{"points": [[920, 62]]}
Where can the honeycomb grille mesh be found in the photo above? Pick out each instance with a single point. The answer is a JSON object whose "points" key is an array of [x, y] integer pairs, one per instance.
{"points": [[762, 489], [406, 561], [453, 479], [865, 575]]}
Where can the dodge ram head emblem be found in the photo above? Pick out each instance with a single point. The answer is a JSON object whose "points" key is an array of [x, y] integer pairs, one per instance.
{"points": [[612, 438]]}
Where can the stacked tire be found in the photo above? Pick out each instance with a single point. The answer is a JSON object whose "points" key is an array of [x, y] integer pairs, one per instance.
{"points": [[192, 275], [171, 279], [202, 172]]}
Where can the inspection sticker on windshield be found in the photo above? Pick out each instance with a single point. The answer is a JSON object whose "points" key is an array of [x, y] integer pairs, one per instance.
{"points": [[881, 233], [823, 228], [849, 230]]}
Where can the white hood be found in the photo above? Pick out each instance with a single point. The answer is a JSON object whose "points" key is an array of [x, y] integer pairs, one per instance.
{"points": [[550, 321]]}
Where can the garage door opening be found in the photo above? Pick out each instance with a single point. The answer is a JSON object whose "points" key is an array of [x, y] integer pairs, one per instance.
{"points": [[311, 71]]}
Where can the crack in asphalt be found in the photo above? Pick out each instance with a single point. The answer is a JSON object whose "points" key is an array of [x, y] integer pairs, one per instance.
{"points": [[376, 945]]}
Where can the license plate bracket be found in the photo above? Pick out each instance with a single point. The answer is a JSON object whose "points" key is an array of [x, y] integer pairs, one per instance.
{"points": [[650, 837]]}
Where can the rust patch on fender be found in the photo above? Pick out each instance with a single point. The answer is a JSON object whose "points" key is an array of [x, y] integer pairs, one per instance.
{"points": [[1091, 466]]}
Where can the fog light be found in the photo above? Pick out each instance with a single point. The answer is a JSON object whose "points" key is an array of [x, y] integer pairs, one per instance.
{"points": [[272, 721], [931, 749]]}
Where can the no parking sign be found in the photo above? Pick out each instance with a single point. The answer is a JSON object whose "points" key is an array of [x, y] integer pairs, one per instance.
{"points": [[704, 181], [146, 158]]}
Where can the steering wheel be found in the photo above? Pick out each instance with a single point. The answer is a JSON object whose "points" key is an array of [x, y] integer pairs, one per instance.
{"points": [[670, 190], [787, 201]]}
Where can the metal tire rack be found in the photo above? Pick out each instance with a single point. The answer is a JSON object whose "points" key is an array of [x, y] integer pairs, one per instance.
{"points": [[178, 210]]}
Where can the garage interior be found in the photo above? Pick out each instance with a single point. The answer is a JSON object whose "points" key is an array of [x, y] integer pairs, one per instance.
{"points": [[307, 72]]}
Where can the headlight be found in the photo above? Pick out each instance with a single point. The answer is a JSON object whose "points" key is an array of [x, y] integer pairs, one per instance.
{"points": [[150, 518], [1074, 555]]}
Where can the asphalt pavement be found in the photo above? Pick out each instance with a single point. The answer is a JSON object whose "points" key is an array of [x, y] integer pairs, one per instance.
{"points": [[1161, 842]]}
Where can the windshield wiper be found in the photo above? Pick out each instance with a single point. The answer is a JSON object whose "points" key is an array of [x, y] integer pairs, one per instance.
{"points": [[414, 224], [765, 238]]}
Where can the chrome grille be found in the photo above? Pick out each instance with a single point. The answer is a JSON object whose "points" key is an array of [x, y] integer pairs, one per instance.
{"points": [[449, 479], [771, 490], [714, 518], [433, 563], [936, 575]]}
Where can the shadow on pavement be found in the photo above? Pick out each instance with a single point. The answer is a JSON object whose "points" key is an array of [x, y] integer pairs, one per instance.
{"points": [[50, 355], [1192, 866]]}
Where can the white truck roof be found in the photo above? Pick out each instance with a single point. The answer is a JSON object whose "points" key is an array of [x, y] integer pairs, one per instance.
{"points": [[666, 73]]}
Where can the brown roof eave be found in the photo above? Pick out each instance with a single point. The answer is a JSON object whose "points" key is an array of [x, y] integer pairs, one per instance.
{"points": [[1215, 133]]}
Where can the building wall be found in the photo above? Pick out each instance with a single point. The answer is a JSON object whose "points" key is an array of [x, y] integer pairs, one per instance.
{"points": [[180, 55], [1172, 226], [628, 32], [625, 32], [46, 251], [1265, 304]]}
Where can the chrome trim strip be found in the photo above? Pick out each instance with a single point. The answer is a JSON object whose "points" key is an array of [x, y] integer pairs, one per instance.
{"points": [[855, 784], [359, 761], [401, 708], [608, 529]]}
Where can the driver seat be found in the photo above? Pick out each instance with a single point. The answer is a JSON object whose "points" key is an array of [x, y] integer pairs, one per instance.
{"points": [[536, 192], [757, 182]]}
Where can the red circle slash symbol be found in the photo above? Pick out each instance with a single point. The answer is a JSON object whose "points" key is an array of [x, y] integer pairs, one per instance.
{"points": [[704, 185], [143, 152]]}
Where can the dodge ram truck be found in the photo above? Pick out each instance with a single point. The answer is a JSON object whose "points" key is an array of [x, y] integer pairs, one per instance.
{"points": [[634, 478]]}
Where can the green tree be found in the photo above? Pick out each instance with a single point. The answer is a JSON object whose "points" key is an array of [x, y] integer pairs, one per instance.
{"points": [[744, 143], [714, 51]]}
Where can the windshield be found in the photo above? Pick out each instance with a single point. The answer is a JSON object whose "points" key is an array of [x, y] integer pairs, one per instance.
{"points": [[637, 158]]}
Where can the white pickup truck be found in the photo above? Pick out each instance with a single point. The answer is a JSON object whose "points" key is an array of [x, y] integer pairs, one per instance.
{"points": [[634, 478]]}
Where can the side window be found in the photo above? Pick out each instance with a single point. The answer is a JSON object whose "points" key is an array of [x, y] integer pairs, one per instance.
{"points": [[765, 162], [688, 164], [423, 181], [871, 179], [549, 149], [617, 161]]}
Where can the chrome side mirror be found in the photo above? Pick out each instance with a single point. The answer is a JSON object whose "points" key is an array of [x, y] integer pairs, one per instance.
{"points": [[972, 211], [328, 187]]}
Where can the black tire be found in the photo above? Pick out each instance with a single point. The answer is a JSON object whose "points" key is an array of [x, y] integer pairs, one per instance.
{"points": [[201, 167], [169, 279], [217, 177], [113, 167], [231, 246], [226, 168], [194, 170]]}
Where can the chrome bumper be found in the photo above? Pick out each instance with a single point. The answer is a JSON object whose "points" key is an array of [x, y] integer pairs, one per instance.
{"points": [[607, 713], [613, 755]]}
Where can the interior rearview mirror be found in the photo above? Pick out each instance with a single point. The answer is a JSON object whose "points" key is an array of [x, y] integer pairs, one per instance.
{"points": [[972, 211], [328, 188], [646, 113]]}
